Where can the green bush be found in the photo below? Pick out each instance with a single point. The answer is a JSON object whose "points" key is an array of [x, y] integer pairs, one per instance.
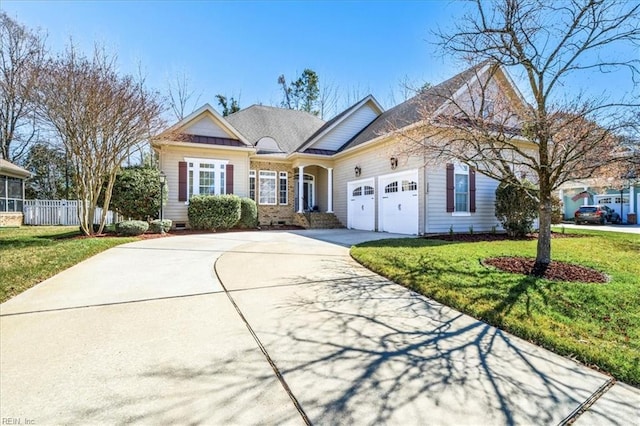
{"points": [[136, 193], [131, 228], [214, 211], [248, 213], [556, 210], [159, 226], [516, 207]]}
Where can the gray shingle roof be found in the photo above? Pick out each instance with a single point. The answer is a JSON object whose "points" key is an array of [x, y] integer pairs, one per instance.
{"points": [[414, 109], [289, 128], [10, 169]]}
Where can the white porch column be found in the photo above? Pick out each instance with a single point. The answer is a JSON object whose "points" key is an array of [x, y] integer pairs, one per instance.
{"points": [[329, 190], [300, 189], [632, 198], [561, 196], [585, 201]]}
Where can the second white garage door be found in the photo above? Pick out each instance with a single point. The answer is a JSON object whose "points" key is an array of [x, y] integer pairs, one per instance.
{"points": [[361, 206], [399, 203]]}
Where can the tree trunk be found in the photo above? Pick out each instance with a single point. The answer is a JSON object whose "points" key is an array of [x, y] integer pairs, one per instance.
{"points": [[543, 255]]}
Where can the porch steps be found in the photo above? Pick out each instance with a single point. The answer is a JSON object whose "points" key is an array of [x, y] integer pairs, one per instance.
{"points": [[317, 220]]}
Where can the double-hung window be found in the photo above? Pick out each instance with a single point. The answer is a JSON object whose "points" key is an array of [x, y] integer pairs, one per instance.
{"points": [[284, 189], [461, 176], [267, 186], [252, 184], [206, 176]]}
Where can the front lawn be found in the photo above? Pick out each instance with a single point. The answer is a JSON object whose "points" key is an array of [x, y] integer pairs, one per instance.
{"points": [[31, 254], [598, 324]]}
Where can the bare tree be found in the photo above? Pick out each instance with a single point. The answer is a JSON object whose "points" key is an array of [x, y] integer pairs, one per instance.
{"points": [[182, 99], [328, 100], [22, 52], [98, 115], [554, 138]]}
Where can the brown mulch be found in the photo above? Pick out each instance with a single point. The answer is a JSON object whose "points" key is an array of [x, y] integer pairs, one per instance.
{"points": [[482, 237], [557, 271]]}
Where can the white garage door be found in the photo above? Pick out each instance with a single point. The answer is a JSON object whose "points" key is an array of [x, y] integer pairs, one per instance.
{"points": [[615, 202], [399, 203], [361, 211]]}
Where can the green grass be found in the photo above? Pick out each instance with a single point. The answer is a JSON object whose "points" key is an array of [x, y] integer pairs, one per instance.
{"points": [[31, 254], [598, 324]]}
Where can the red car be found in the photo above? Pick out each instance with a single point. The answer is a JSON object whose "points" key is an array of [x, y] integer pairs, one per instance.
{"points": [[596, 214]]}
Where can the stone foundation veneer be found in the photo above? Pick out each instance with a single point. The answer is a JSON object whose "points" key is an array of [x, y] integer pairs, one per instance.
{"points": [[10, 219]]}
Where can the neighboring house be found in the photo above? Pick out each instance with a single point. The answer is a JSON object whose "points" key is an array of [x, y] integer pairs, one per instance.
{"points": [[623, 198], [299, 168], [11, 193]]}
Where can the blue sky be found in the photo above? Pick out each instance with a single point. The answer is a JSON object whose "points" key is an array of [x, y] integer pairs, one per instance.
{"points": [[240, 48]]}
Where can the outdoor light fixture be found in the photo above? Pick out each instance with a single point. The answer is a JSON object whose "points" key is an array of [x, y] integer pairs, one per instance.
{"points": [[394, 163], [358, 171], [163, 180]]}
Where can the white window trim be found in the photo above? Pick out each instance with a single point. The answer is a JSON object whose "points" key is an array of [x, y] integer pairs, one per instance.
{"points": [[253, 175], [273, 177], [220, 187], [283, 176], [460, 169]]}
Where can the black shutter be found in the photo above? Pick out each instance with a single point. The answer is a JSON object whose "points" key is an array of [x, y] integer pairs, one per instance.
{"points": [[472, 189], [182, 181], [229, 179], [450, 189]]}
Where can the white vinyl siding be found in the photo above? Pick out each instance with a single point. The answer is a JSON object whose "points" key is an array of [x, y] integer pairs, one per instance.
{"points": [[267, 186], [439, 221], [206, 126], [346, 129]]}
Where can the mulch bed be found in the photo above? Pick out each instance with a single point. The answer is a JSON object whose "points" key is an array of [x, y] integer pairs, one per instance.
{"points": [[557, 271]]}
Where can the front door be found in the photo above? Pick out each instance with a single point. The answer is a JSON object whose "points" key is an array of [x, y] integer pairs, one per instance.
{"points": [[308, 192]]}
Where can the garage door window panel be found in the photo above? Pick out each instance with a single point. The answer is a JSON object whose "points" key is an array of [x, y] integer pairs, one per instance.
{"points": [[391, 188]]}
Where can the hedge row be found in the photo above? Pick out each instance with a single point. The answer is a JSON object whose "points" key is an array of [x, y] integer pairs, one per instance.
{"points": [[213, 212]]}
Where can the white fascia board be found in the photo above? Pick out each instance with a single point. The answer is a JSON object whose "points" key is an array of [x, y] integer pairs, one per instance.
{"points": [[353, 109]]}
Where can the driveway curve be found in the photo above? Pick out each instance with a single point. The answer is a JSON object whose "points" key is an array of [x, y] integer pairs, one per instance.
{"points": [[272, 328]]}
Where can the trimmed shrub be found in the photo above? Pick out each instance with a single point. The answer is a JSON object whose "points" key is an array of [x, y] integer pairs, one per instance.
{"points": [[214, 211], [248, 213], [131, 228], [516, 207], [159, 226], [136, 193]]}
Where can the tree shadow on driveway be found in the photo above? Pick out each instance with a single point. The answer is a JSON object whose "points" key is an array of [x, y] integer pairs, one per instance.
{"points": [[363, 350]]}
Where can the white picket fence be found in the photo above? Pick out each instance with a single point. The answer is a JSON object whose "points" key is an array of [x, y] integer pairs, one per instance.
{"points": [[59, 212]]}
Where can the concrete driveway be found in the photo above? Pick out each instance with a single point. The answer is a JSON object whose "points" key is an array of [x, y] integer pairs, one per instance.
{"points": [[272, 328], [628, 229]]}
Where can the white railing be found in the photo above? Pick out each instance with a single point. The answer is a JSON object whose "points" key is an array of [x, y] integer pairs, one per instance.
{"points": [[59, 212]]}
